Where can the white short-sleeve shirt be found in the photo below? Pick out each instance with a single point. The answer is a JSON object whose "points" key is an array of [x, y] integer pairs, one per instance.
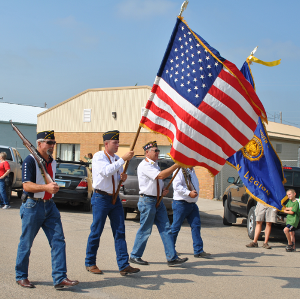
{"points": [[147, 172]]}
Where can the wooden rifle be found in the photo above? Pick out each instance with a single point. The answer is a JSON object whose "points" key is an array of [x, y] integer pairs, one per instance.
{"points": [[187, 177], [161, 197], [40, 161]]}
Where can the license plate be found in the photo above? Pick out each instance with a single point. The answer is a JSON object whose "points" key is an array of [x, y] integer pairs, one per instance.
{"points": [[61, 184]]}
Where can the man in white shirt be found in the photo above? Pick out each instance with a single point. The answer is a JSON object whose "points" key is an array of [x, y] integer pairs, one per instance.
{"points": [[186, 190], [107, 172], [151, 187]]}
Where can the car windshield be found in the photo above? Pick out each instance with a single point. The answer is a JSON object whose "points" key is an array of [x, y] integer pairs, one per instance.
{"points": [[239, 181], [292, 178], [71, 169]]}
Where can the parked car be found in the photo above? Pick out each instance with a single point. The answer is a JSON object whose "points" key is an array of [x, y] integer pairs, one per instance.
{"points": [[75, 182], [129, 192], [238, 203], [15, 162]]}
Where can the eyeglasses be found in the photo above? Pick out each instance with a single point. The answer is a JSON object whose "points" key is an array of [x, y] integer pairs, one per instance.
{"points": [[51, 142], [157, 150]]}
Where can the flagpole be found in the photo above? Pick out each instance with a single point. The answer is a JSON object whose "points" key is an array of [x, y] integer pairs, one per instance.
{"points": [[183, 7], [161, 197], [126, 165]]}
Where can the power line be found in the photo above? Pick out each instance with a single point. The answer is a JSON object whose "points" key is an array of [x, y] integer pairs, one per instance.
{"points": [[279, 116]]}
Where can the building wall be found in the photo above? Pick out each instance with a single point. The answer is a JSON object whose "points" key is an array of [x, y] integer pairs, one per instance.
{"points": [[9, 137], [289, 153], [206, 182], [127, 102], [92, 142]]}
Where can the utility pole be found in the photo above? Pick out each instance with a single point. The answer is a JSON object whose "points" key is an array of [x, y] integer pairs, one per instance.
{"points": [[45, 105], [280, 117]]}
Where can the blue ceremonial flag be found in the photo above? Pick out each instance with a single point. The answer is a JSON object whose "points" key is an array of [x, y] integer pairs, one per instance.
{"points": [[258, 165]]}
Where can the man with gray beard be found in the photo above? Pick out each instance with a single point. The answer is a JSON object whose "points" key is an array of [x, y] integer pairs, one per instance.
{"points": [[38, 210]]}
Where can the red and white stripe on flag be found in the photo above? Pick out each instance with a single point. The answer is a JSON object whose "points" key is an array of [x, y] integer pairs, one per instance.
{"points": [[206, 135]]}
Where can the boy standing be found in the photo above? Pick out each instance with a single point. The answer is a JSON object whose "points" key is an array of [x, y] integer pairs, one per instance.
{"points": [[292, 219]]}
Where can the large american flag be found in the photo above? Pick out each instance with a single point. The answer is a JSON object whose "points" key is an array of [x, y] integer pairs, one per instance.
{"points": [[201, 102]]}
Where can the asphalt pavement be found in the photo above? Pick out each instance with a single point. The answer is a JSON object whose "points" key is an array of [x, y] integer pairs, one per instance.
{"points": [[234, 271]]}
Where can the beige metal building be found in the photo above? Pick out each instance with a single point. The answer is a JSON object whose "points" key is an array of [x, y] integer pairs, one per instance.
{"points": [[80, 121]]}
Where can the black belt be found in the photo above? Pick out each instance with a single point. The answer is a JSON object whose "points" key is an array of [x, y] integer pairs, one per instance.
{"points": [[148, 195], [184, 201], [102, 192], [38, 199]]}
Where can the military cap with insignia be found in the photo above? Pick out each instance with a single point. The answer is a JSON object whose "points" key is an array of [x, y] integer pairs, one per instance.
{"points": [[45, 135], [149, 145], [111, 135]]}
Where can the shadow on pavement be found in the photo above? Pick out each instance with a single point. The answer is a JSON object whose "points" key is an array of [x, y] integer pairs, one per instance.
{"points": [[154, 280]]}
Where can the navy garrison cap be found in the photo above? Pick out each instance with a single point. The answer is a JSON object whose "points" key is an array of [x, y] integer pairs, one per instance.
{"points": [[45, 135], [149, 145], [111, 135]]}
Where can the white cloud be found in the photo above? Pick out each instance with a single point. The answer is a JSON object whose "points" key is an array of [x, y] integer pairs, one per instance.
{"points": [[144, 8]]}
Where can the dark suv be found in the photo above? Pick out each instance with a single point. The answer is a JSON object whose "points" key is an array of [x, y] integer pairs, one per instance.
{"points": [[129, 192], [238, 203]]}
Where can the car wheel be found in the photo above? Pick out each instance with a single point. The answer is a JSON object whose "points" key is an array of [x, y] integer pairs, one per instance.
{"points": [[251, 223], [87, 206], [226, 211], [125, 213]]}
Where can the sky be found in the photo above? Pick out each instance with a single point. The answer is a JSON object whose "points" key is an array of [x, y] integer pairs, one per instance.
{"points": [[52, 50]]}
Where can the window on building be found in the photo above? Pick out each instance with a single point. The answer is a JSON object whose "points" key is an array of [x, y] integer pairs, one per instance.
{"points": [[87, 115], [68, 152], [278, 147]]}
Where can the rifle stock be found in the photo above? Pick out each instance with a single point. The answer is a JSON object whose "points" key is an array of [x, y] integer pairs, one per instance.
{"points": [[48, 179]]}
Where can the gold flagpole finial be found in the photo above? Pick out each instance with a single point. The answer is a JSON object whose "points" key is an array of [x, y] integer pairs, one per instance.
{"points": [[183, 7]]}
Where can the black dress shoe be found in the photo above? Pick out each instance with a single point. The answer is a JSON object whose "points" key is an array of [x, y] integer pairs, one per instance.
{"points": [[138, 261], [25, 283], [66, 283], [204, 255], [176, 262], [129, 270]]}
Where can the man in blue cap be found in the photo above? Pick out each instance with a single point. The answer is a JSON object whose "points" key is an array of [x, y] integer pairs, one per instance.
{"points": [[107, 170], [38, 210]]}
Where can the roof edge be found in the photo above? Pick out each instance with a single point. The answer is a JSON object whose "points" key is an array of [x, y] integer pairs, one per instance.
{"points": [[94, 89]]}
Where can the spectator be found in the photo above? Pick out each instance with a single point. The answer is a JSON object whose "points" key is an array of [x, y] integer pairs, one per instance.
{"points": [[292, 219], [4, 171], [263, 213], [89, 159]]}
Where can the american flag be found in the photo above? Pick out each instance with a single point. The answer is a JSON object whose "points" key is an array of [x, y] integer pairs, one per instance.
{"points": [[201, 102]]}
